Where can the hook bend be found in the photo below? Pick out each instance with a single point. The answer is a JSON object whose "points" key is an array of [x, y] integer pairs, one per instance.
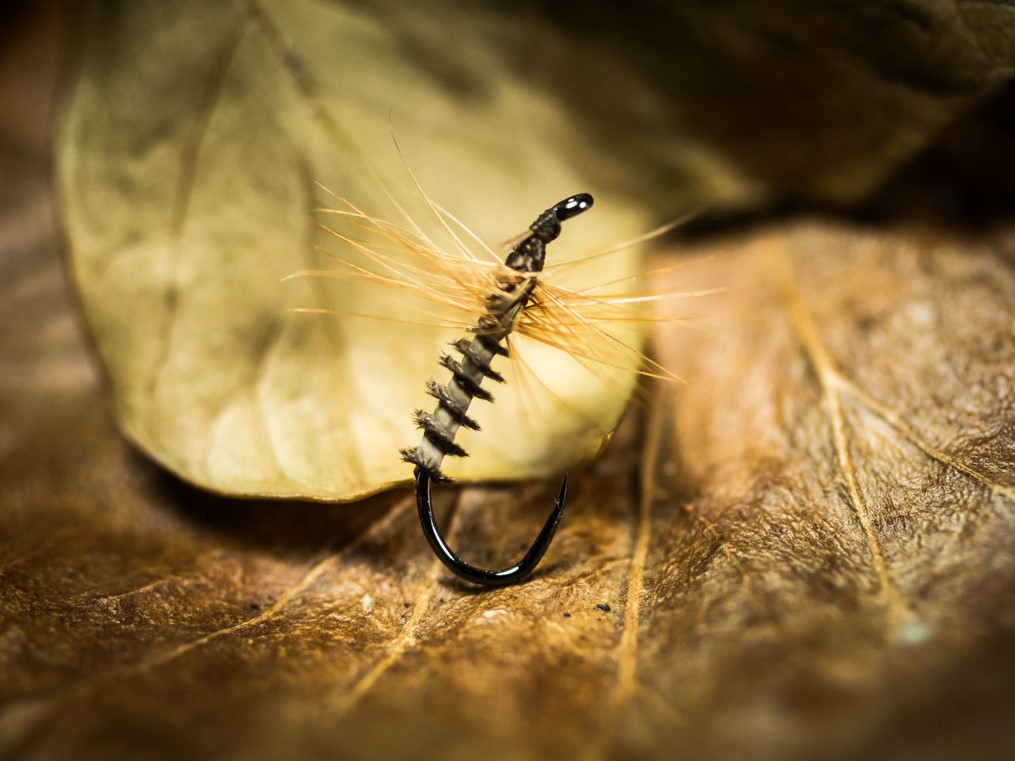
{"points": [[503, 578]]}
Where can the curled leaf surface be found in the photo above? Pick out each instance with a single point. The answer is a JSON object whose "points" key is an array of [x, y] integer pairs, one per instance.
{"points": [[193, 134]]}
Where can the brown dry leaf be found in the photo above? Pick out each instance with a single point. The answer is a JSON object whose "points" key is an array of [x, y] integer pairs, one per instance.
{"points": [[806, 552]]}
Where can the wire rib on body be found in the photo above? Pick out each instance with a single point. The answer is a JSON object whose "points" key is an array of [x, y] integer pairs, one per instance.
{"points": [[453, 399]]}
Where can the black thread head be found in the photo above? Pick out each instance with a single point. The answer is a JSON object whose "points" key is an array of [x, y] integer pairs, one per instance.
{"points": [[528, 255], [573, 206]]}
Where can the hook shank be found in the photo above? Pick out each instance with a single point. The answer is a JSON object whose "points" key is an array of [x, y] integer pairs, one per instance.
{"points": [[506, 577]]}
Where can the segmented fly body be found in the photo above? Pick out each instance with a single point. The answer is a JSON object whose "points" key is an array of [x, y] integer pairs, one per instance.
{"points": [[503, 307]]}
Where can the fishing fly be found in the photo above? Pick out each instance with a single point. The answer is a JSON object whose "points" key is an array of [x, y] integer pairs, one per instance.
{"points": [[512, 297], [504, 306]]}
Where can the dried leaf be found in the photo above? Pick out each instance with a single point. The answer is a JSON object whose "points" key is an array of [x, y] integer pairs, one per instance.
{"points": [[194, 132], [808, 548], [189, 195]]}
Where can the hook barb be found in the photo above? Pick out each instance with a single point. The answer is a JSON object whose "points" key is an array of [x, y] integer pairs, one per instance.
{"points": [[446, 555]]}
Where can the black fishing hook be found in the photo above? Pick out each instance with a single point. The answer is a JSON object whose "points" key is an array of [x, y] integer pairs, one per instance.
{"points": [[447, 556]]}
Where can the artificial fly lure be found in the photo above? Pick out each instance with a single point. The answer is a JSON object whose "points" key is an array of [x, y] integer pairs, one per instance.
{"points": [[513, 297], [504, 306]]}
